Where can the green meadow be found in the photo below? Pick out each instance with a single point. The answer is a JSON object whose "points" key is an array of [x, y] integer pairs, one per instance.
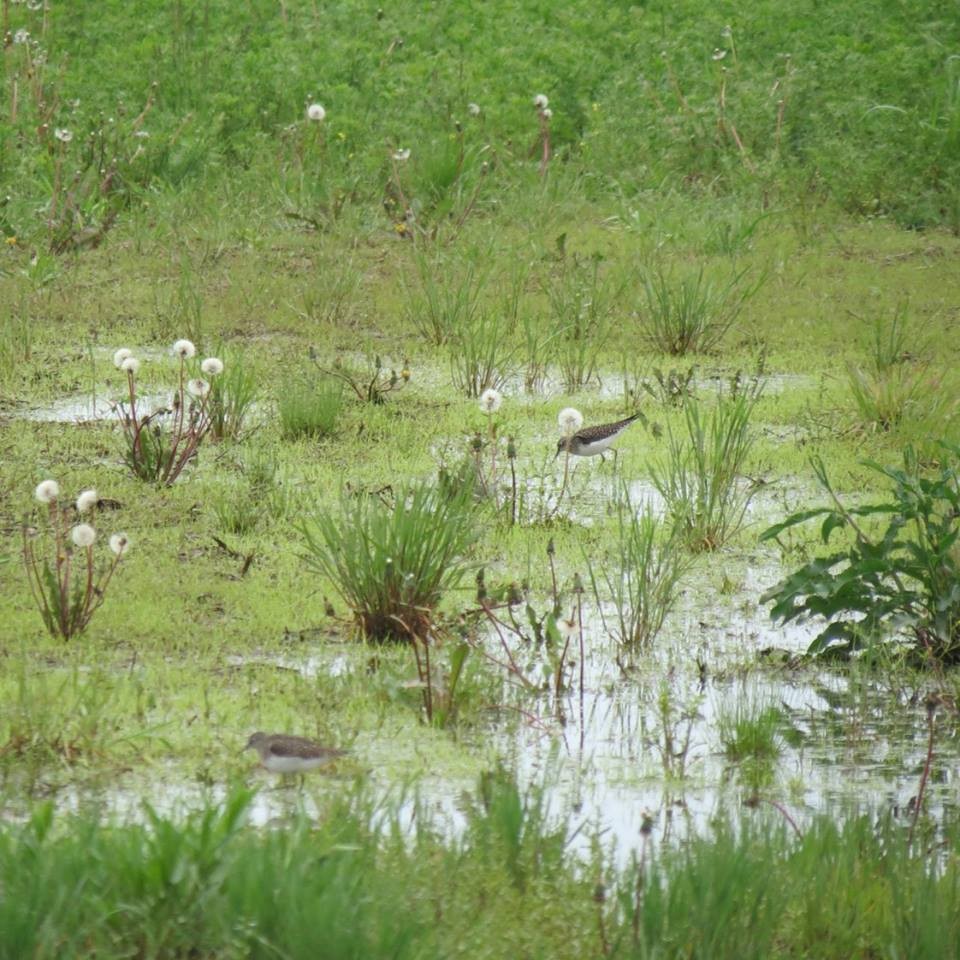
{"points": [[301, 308]]}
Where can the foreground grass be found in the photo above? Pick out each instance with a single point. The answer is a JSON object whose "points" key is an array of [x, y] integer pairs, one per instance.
{"points": [[359, 883]]}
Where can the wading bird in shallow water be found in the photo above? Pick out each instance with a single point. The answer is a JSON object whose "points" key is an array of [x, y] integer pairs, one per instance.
{"points": [[283, 753], [590, 441]]}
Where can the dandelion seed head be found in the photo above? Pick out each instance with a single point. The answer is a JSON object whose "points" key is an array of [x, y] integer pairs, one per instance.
{"points": [[130, 365], [83, 535], [119, 543], [184, 349], [540, 101], [63, 134], [719, 54], [47, 491], [570, 420], [87, 500], [198, 388], [212, 366], [21, 36], [473, 109], [546, 113], [567, 628], [490, 400], [120, 356], [401, 155], [316, 112]]}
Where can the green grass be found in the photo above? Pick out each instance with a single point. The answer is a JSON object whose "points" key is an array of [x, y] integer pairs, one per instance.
{"points": [[268, 239], [357, 883]]}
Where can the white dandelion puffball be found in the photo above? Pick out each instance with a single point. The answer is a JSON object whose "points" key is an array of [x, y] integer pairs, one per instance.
{"points": [[63, 134], [212, 366], [48, 491], [570, 420], [198, 388], [402, 155], [130, 365], [86, 500], [184, 349], [119, 543], [719, 54], [546, 113], [83, 535], [540, 101], [316, 112], [21, 36], [120, 356], [567, 628], [490, 400], [473, 109]]}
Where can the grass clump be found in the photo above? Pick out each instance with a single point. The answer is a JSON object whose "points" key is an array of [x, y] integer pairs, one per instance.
{"points": [[393, 561], [310, 408], [641, 576], [700, 476], [694, 313]]}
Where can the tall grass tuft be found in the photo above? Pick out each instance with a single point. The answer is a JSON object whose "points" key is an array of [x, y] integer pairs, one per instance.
{"points": [[310, 408], [447, 300], [694, 313], [640, 576], [393, 562], [482, 353], [700, 476], [232, 396], [582, 301]]}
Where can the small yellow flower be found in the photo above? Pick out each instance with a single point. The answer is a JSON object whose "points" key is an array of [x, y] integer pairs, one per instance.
{"points": [[400, 227], [341, 135], [11, 241]]}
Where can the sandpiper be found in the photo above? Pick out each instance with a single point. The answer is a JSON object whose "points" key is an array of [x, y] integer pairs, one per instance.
{"points": [[283, 753], [589, 441]]}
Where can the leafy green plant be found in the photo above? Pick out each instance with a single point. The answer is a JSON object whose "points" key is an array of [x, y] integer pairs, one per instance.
{"points": [[694, 313], [899, 584], [700, 476], [68, 590], [310, 408], [392, 562], [160, 444], [640, 577]]}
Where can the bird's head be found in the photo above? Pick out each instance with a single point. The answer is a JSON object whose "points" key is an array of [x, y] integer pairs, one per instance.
{"points": [[255, 740], [562, 444]]}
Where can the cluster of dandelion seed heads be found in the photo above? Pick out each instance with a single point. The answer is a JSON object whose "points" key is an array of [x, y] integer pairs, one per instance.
{"points": [[490, 401], [570, 420], [83, 535]]}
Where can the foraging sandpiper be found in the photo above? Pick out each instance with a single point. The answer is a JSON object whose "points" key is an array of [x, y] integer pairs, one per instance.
{"points": [[589, 441], [283, 753]]}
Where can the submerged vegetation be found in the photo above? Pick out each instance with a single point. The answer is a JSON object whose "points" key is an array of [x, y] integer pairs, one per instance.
{"points": [[404, 255]]}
